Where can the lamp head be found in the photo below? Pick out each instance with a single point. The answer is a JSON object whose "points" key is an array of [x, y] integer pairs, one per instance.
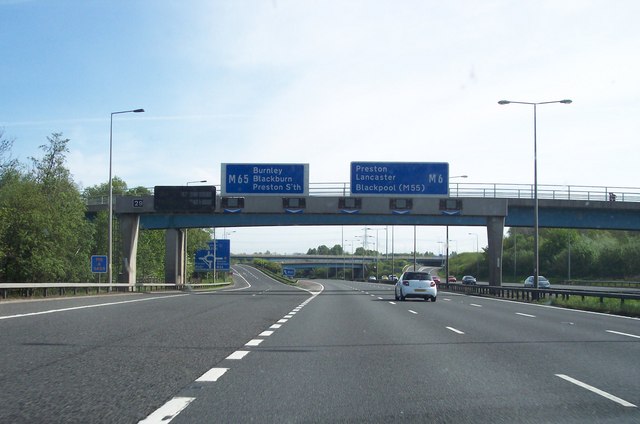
{"points": [[566, 101], [142, 110], [504, 102]]}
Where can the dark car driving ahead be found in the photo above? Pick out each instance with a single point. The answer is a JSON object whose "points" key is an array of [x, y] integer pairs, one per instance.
{"points": [[469, 279]]}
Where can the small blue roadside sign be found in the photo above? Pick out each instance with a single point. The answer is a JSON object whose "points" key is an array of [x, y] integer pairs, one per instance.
{"points": [[265, 179], [289, 272], [400, 178], [99, 264], [204, 260]]}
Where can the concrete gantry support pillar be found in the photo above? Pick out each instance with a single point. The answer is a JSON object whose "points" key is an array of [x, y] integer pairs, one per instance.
{"points": [[129, 230], [495, 232], [174, 256]]}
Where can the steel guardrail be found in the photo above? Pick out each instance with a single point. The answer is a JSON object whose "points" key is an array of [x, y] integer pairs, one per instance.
{"points": [[528, 294], [23, 290]]}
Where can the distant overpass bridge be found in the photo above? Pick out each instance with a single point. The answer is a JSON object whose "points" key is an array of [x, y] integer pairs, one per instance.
{"points": [[493, 206], [335, 261]]}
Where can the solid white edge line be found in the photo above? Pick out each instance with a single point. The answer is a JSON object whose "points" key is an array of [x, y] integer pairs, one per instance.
{"points": [[245, 280], [212, 375], [623, 334], [455, 330], [168, 411], [597, 391], [74, 308], [238, 354]]}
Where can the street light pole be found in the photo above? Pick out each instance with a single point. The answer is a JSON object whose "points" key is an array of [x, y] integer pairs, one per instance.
{"points": [[536, 241], [110, 269]]}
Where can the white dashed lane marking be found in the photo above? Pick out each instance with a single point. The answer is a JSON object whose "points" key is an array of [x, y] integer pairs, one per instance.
{"points": [[238, 354], [173, 407], [212, 375], [168, 411]]}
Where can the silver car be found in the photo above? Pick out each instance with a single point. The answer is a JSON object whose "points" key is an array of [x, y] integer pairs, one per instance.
{"points": [[543, 283], [416, 284]]}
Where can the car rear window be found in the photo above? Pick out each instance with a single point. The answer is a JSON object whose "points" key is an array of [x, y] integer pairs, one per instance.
{"points": [[417, 276]]}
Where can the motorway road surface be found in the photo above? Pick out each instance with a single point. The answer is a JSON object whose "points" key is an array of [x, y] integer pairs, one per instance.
{"points": [[265, 352]]}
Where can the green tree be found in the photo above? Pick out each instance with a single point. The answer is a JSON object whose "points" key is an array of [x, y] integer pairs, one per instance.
{"points": [[336, 250], [45, 236], [323, 250], [7, 164]]}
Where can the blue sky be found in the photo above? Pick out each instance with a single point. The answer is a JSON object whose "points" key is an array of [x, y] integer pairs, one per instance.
{"points": [[326, 83]]}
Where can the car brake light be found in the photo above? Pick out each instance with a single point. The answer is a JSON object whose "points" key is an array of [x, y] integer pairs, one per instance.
{"points": [[405, 283]]}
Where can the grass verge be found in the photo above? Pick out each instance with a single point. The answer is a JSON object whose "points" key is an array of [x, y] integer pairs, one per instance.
{"points": [[629, 308]]}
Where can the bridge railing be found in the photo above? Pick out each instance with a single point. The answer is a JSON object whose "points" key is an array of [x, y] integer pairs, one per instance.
{"points": [[511, 191], [484, 190]]}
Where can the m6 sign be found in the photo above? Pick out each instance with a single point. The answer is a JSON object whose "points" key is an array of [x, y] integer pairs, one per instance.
{"points": [[400, 178]]}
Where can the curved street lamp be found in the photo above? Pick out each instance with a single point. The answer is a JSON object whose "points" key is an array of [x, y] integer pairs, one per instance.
{"points": [[536, 243], [110, 269]]}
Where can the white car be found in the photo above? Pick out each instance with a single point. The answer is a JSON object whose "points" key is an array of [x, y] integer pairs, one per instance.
{"points": [[543, 283], [416, 284]]}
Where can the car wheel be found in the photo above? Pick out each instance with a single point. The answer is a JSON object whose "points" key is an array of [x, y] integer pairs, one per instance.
{"points": [[395, 294], [402, 296], [433, 299]]}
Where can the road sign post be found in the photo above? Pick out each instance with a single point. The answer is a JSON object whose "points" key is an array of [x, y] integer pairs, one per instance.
{"points": [[216, 258], [99, 264]]}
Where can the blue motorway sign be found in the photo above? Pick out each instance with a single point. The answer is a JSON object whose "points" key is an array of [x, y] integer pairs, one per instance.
{"points": [[205, 258], [400, 178], [265, 179], [289, 272], [99, 264]]}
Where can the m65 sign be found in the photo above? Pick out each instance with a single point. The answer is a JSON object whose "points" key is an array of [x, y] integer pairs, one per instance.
{"points": [[400, 178], [265, 179]]}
